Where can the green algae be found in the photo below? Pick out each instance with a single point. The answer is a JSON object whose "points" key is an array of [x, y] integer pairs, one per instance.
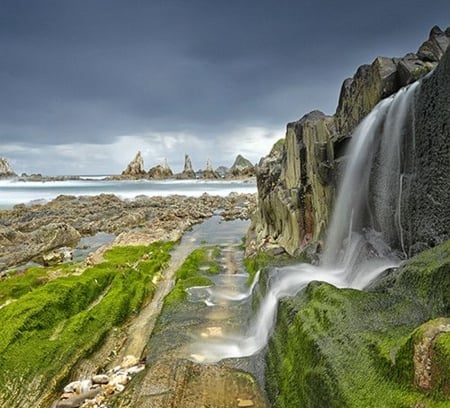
{"points": [[347, 348], [193, 272], [46, 330]]}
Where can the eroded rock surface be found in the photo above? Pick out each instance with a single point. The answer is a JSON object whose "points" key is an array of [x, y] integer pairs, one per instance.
{"points": [[30, 231]]}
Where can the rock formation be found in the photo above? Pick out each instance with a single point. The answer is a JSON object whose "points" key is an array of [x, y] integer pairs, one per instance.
{"points": [[188, 171], [296, 192], [5, 169], [135, 168], [209, 172], [161, 171], [241, 168]]}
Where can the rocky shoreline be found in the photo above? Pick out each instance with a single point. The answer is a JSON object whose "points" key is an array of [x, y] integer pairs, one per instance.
{"points": [[31, 232]]}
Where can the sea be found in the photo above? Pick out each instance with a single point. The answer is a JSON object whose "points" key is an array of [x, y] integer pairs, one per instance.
{"points": [[16, 191]]}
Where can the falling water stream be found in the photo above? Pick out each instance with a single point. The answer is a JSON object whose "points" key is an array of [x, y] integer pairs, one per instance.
{"points": [[365, 223]]}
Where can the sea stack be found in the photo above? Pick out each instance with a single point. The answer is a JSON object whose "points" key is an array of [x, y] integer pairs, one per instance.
{"points": [[241, 167], [188, 172], [161, 171], [5, 169], [209, 172], [135, 168]]}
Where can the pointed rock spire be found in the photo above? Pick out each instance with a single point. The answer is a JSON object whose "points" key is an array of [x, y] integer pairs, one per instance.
{"points": [[5, 168], [188, 172], [136, 167], [209, 172]]}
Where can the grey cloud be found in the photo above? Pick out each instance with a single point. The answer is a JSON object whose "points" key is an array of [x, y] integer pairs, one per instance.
{"points": [[91, 71]]}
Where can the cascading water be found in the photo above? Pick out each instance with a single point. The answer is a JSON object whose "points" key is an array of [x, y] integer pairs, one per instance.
{"points": [[366, 223]]}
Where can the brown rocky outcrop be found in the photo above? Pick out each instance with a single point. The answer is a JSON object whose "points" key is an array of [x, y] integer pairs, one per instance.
{"points": [[5, 169], [296, 192], [18, 247], [209, 172], [188, 172], [241, 167], [430, 358], [135, 168], [161, 171], [39, 231]]}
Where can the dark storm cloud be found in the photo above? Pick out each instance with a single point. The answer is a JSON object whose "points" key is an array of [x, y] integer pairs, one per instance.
{"points": [[91, 71]]}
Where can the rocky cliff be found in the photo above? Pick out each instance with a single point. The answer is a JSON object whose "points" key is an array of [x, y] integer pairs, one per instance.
{"points": [[297, 188], [5, 169]]}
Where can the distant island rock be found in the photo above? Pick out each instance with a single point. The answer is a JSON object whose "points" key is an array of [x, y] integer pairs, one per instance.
{"points": [[242, 167], [136, 167], [209, 172], [5, 169], [161, 171], [188, 172]]}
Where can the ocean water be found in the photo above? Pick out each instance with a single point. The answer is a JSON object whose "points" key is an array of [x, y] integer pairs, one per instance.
{"points": [[14, 192]]}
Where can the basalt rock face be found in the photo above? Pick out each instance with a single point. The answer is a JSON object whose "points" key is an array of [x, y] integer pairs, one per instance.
{"points": [[5, 169], [296, 191], [426, 218], [294, 185]]}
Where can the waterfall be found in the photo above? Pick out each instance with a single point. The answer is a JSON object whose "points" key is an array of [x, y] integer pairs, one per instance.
{"points": [[365, 225]]}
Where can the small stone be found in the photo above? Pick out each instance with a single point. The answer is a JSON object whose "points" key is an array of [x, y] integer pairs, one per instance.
{"points": [[120, 387], [109, 389], [122, 379], [136, 369], [242, 403], [100, 379], [72, 387], [129, 361]]}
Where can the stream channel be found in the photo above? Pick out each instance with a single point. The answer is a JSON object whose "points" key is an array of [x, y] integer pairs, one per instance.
{"points": [[173, 379]]}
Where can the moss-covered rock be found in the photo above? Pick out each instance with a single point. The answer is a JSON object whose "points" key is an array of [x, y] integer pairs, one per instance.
{"points": [[347, 348], [52, 322]]}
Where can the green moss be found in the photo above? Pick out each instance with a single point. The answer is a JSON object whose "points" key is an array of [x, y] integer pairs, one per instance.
{"points": [[49, 329], [346, 348], [193, 272]]}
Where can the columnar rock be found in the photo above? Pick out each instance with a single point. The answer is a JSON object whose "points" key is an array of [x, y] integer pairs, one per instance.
{"points": [[426, 197], [161, 171], [5, 169], [296, 192], [241, 167], [136, 167], [188, 172], [295, 185], [209, 172]]}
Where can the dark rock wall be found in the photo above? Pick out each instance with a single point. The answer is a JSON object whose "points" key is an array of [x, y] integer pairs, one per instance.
{"points": [[427, 211]]}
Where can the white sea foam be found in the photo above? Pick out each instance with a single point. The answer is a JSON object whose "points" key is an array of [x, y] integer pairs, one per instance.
{"points": [[14, 191]]}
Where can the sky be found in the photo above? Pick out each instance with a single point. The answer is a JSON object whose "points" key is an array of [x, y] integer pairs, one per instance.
{"points": [[85, 84]]}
